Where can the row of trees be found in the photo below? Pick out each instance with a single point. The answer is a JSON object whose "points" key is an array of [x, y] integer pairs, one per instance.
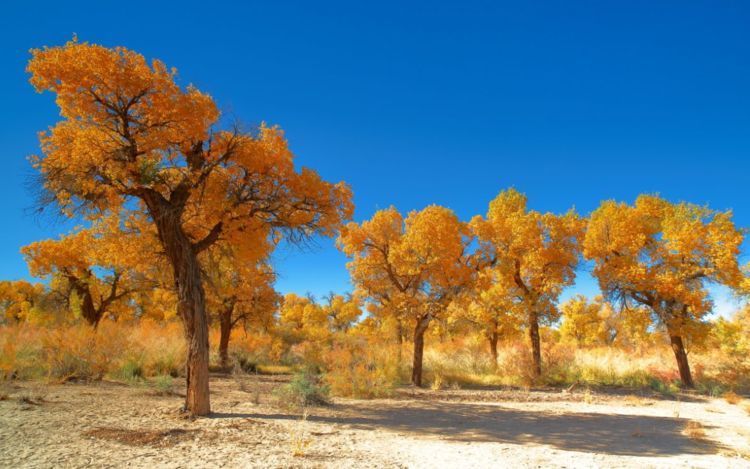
{"points": [[182, 214], [653, 261]]}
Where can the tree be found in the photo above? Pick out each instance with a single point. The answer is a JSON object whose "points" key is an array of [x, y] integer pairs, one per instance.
{"points": [[18, 299], [238, 292], [661, 255], [132, 139], [342, 311], [532, 257], [490, 310], [584, 322], [301, 318], [96, 269], [413, 267]]}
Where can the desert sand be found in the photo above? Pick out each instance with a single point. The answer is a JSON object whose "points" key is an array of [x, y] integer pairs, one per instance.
{"points": [[109, 424]]}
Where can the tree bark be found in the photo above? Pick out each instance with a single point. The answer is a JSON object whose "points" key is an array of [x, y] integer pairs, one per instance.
{"points": [[89, 312], [419, 330], [225, 325], [492, 337], [536, 348], [678, 347], [191, 304]]}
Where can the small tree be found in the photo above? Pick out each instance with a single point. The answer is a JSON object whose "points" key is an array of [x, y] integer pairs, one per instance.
{"points": [[238, 292], [414, 267], [18, 299], [488, 308], [584, 322], [532, 257], [661, 255], [95, 269], [342, 311]]}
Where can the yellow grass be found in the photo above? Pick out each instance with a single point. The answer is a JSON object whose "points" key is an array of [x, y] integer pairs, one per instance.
{"points": [[732, 397], [355, 366], [694, 430]]}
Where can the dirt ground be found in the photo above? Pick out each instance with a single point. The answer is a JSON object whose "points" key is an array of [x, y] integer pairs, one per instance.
{"points": [[115, 425]]}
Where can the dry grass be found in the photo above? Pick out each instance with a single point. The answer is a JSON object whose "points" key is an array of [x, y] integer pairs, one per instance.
{"points": [[732, 397], [157, 438], [354, 366], [694, 430], [637, 401], [299, 440], [274, 369]]}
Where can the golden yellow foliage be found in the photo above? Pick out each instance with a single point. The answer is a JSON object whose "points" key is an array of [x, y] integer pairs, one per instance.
{"points": [[530, 257], [661, 255]]}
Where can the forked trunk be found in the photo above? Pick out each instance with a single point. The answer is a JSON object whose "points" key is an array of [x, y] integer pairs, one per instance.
{"points": [[86, 302], [419, 330], [536, 348], [678, 347]]}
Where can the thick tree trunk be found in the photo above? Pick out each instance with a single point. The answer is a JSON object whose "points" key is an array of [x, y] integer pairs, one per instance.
{"points": [[88, 310], [419, 330], [678, 347], [191, 301], [536, 348], [191, 307], [225, 325], [492, 337]]}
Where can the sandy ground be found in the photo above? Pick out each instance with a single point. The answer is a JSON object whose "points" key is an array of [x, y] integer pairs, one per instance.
{"points": [[114, 425]]}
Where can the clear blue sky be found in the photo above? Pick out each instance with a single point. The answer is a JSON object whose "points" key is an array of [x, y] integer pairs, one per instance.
{"points": [[419, 103]]}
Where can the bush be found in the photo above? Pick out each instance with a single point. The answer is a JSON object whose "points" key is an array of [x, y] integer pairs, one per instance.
{"points": [[246, 362], [361, 370], [80, 353], [131, 368], [163, 384], [305, 389]]}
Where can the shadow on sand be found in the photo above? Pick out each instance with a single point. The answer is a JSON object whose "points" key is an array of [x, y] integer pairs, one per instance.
{"points": [[616, 434]]}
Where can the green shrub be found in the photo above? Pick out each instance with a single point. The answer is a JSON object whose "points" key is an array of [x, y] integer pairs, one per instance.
{"points": [[246, 362], [131, 369], [305, 389], [163, 384]]}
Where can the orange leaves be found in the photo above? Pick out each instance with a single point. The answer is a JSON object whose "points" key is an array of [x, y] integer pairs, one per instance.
{"points": [[661, 255], [409, 264], [130, 131], [17, 299], [95, 83], [535, 254]]}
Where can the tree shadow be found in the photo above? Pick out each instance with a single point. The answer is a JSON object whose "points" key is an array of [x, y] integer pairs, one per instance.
{"points": [[616, 434]]}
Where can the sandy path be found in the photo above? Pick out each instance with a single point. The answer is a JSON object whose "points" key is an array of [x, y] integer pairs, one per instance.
{"points": [[112, 425]]}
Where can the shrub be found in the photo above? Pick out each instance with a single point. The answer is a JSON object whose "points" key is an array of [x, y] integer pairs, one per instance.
{"points": [[305, 389], [245, 362], [361, 370], [131, 368], [163, 384], [732, 397], [81, 353]]}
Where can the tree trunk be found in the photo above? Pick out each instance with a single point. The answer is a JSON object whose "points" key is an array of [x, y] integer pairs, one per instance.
{"points": [[419, 330], [678, 347], [88, 310], [191, 304], [225, 323], [492, 337], [536, 348]]}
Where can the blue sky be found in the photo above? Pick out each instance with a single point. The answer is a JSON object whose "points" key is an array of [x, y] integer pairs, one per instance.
{"points": [[418, 103]]}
